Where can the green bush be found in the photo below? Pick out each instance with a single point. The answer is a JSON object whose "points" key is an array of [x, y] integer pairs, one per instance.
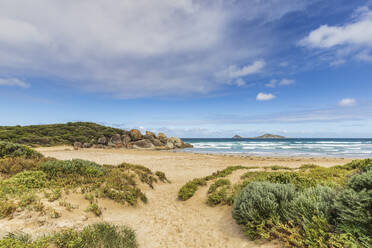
{"points": [[361, 181], [222, 196], [220, 182], [189, 189], [9, 150], [100, 235], [63, 168], [260, 202], [14, 165], [24, 181], [309, 203], [360, 164]]}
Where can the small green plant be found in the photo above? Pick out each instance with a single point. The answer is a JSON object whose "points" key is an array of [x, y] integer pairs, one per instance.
{"points": [[218, 183], [278, 167], [162, 177], [189, 189], [7, 208], [89, 197], [222, 196], [94, 208], [54, 195]]}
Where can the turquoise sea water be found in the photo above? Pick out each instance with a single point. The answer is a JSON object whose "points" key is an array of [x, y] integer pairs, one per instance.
{"points": [[358, 148]]}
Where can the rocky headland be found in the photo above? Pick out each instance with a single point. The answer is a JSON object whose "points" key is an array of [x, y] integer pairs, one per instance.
{"points": [[134, 139]]}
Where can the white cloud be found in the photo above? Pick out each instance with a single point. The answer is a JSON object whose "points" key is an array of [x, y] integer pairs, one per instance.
{"points": [[347, 39], [347, 102], [264, 97], [240, 82], [134, 48], [234, 72], [286, 81], [13, 82], [283, 82], [358, 32], [272, 83]]}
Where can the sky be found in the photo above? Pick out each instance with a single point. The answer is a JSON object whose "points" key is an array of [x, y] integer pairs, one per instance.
{"points": [[190, 68]]}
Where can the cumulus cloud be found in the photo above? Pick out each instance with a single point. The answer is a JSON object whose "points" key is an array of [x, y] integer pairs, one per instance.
{"points": [[347, 102], [234, 72], [13, 82], [264, 96], [134, 48], [283, 82], [347, 39]]}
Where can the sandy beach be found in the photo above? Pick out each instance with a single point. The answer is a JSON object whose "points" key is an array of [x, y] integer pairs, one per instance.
{"points": [[165, 221]]}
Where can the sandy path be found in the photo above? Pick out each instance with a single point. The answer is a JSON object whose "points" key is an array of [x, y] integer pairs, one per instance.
{"points": [[167, 222]]}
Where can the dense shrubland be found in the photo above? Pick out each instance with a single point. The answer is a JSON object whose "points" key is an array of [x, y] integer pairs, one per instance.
{"points": [[309, 206], [56, 134], [101, 235]]}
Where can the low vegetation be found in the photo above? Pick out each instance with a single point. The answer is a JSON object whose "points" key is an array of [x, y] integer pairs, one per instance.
{"points": [[57, 134], [101, 235], [309, 206], [26, 178]]}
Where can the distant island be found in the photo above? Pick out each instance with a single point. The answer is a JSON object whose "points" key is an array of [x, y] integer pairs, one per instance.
{"points": [[265, 136], [237, 137], [270, 136]]}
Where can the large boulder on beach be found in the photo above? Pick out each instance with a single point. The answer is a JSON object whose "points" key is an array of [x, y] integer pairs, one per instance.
{"points": [[102, 140], [157, 142], [149, 135], [162, 137], [170, 145], [87, 145], [116, 140], [145, 143], [177, 142], [135, 134], [187, 145], [78, 145], [125, 139]]}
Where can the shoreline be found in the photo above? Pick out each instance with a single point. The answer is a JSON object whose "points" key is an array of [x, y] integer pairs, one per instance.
{"points": [[181, 151]]}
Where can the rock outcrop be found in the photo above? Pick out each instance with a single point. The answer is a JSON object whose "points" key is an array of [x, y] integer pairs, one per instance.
{"points": [[134, 139]]}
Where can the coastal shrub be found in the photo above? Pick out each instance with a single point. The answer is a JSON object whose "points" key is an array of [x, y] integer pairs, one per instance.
{"points": [[13, 165], [278, 167], [225, 172], [23, 182], [7, 208], [354, 213], [20, 240], [189, 189], [62, 168], [8, 149], [222, 196], [311, 202], [101, 235], [162, 177], [94, 208], [360, 164], [57, 134], [361, 181], [260, 202], [220, 182]]}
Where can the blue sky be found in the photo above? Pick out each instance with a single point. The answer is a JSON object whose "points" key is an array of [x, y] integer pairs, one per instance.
{"points": [[299, 68]]}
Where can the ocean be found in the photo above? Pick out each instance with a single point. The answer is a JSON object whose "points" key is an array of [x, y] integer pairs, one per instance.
{"points": [[354, 148]]}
